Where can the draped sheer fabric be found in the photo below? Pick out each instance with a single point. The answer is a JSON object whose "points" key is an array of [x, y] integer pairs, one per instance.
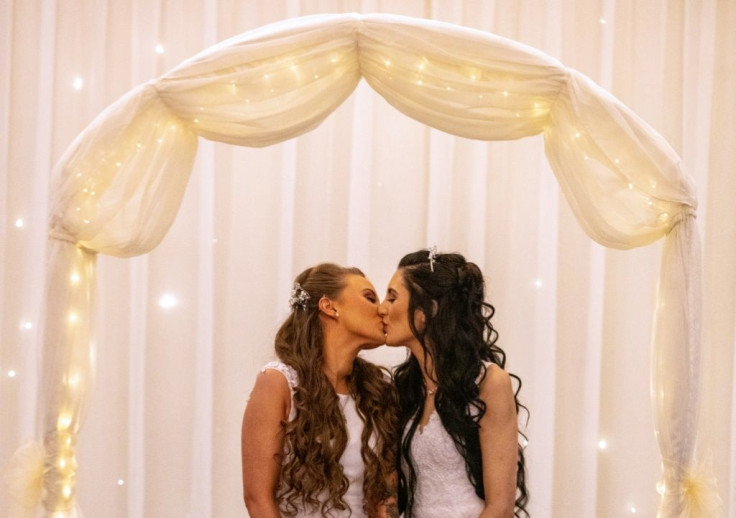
{"points": [[120, 184]]}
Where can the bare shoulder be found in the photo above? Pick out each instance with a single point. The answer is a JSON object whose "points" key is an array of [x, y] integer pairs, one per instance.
{"points": [[270, 389], [272, 382], [496, 380], [496, 390]]}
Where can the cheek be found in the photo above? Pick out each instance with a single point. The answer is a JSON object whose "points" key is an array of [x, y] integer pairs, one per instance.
{"points": [[397, 315]]}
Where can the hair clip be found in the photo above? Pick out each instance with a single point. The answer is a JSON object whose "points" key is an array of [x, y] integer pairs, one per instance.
{"points": [[299, 297], [432, 256]]}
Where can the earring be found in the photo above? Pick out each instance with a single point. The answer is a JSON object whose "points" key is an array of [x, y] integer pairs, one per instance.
{"points": [[337, 314]]}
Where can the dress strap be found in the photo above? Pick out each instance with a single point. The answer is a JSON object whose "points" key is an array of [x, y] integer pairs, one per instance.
{"points": [[292, 378]]}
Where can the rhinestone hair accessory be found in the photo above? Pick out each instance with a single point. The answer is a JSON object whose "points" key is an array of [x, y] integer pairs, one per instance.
{"points": [[432, 256], [299, 297]]}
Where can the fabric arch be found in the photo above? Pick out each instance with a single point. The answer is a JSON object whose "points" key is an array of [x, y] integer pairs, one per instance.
{"points": [[120, 184]]}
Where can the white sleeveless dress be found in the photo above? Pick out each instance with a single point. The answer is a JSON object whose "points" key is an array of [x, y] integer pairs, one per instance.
{"points": [[351, 460], [442, 489]]}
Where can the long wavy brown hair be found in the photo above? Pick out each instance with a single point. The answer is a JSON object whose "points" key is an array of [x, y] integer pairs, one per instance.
{"points": [[311, 476]]}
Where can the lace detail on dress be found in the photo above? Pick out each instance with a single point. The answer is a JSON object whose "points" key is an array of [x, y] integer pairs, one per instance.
{"points": [[443, 488], [292, 378]]}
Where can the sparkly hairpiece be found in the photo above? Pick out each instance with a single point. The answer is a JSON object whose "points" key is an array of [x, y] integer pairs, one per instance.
{"points": [[299, 297], [432, 256]]}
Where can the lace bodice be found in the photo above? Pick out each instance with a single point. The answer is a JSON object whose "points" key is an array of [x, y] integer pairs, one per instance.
{"points": [[351, 460], [443, 489]]}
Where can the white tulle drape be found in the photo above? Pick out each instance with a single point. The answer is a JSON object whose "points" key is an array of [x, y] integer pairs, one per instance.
{"points": [[122, 181]]}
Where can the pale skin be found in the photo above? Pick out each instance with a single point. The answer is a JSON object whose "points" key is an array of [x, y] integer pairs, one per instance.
{"points": [[350, 323], [498, 426]]}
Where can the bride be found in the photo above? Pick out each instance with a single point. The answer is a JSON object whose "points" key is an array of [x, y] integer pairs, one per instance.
{"points": [[319, 430], [460, 455]]}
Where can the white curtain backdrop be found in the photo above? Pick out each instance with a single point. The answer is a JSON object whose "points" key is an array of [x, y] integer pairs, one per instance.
{"points": [[181, 332]]}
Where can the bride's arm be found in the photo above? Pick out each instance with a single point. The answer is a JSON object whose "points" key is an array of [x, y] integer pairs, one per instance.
{"points": [[389, 508], [262, 442], [498, 444]]}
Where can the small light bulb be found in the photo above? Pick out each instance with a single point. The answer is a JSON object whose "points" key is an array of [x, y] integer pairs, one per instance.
{"points": [[538, 283], [19, 223], [168, 301], [27, 325], [73, 318], [121, 482], [602, 444], [160, 49], [661, 487], [64, 421], [67, 492], [603, 21], [78, 83], [11, 373], [632, 509]]}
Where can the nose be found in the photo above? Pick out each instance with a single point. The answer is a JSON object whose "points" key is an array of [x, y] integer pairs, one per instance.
{"points": [[383, 308]]}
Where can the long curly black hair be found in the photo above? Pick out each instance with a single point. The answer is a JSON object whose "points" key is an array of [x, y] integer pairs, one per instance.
{"points": [[459, 337]]}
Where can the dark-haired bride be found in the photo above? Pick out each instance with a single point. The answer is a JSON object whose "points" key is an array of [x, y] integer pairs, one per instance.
{"points": [[319, 434], [460, 452]]}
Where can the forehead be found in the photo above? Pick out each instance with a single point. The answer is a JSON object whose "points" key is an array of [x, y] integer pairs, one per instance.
{"points": [[355, 282], [397, 281]]}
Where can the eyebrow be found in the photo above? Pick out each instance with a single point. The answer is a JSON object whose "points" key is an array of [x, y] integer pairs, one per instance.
{"points": [[372, 292], [392, 291]]}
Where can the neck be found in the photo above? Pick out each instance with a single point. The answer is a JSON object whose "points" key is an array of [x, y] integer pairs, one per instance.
{"points": [[425, 364], [339, 356]]}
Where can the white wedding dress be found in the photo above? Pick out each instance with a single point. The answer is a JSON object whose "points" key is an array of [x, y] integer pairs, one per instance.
{"points": [[443, 489], [352, 461]]}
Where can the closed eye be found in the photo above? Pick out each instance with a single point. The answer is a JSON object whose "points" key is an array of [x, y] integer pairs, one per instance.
{"points": [[370, 295]]}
